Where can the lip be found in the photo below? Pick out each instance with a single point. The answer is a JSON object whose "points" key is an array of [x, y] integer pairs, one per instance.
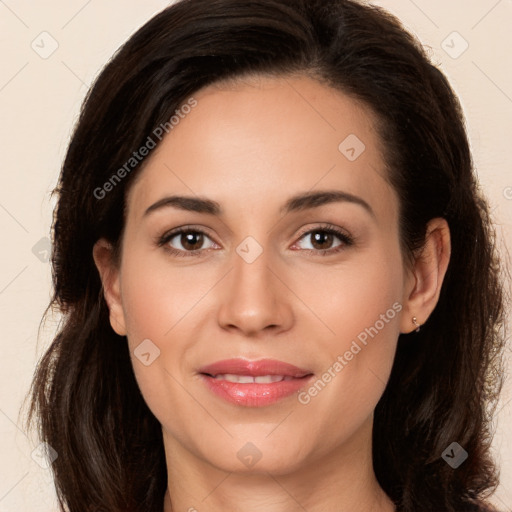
{"points": [[254, 394], [257, 368]]}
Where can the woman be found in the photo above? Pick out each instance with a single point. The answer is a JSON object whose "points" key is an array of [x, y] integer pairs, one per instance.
{"points": [[208, 358]]}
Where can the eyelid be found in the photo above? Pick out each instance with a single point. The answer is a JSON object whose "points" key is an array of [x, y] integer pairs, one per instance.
{"points": [[325, 227]]}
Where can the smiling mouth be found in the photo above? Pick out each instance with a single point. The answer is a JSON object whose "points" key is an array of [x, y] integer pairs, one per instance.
{"points": [[254, 383]]}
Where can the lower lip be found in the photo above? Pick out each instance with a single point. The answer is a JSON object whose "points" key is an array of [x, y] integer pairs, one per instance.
{"points": [[254, 395]]}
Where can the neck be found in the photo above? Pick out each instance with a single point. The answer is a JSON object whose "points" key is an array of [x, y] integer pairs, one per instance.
{"points": [[340, 481]]}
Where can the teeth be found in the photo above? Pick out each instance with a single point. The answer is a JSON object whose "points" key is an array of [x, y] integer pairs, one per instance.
{"points": [[267, 379], [247, 379]]}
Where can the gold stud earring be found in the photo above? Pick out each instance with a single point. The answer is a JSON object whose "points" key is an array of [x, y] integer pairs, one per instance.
{"points": [[415, 322]]}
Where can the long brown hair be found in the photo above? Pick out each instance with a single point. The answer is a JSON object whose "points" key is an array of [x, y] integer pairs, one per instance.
{"points": [[445, 380]]}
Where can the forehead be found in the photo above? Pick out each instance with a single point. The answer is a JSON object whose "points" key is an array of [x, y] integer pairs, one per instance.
{"points": [[257, 140]]}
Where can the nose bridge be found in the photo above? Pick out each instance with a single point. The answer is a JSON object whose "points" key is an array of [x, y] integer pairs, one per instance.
{"points": [[252, 265], [252, 276], [253, 296]]}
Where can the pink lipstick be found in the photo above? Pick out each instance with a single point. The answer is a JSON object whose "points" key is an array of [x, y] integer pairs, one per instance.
{"points": [[254, 383]]}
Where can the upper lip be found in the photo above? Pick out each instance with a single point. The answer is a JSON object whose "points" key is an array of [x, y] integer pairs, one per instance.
{"points": [[256, 368]]}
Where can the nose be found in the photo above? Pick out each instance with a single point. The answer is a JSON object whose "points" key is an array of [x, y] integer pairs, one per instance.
{"points": [[255, 297]]}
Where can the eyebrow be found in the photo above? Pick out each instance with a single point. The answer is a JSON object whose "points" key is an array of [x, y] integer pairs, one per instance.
{"points": [[296, 203]]}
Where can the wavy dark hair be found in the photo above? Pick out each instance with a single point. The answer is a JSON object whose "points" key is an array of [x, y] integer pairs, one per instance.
{"points": [[445, 380]]}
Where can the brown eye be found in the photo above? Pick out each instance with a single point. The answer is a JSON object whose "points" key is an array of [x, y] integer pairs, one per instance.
{"points": [[323, 240], [185, 242], [191, 240]]}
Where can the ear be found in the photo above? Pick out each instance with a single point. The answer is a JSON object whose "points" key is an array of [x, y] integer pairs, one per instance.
{"points": [[109, 274], [425, 279]]}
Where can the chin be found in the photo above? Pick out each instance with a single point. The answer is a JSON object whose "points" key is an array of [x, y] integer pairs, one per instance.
{"points": [[259, 456]]}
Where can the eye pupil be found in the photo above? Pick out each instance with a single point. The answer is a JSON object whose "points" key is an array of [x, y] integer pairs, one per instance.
{"points": [[187, 240], [321, 237]]}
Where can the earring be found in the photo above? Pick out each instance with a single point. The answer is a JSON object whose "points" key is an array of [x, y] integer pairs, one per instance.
{"points": [[415, 322]]}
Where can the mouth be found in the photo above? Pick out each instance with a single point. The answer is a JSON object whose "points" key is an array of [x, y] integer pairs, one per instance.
{"points": [[254, 383]]}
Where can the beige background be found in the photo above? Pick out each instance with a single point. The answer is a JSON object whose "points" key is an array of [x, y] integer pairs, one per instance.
{"points": [[39, 102]]}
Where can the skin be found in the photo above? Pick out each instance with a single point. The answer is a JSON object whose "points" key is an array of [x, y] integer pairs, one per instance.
{"points": [[250, 145]]}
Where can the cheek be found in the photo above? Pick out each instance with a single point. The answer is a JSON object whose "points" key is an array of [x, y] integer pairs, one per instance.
{"points": [[161, 303], [154, 299], [372, 305], [352, 296], [360, 304], [157, 296]]}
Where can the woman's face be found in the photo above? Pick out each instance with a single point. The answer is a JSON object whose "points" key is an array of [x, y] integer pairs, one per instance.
{"points": [[258, 277]]}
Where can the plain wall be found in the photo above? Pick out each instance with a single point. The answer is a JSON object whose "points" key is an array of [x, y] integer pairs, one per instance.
{"points": [[39, 103]]}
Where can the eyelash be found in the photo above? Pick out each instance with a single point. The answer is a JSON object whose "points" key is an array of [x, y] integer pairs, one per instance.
{"points": [[346, 240]]}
